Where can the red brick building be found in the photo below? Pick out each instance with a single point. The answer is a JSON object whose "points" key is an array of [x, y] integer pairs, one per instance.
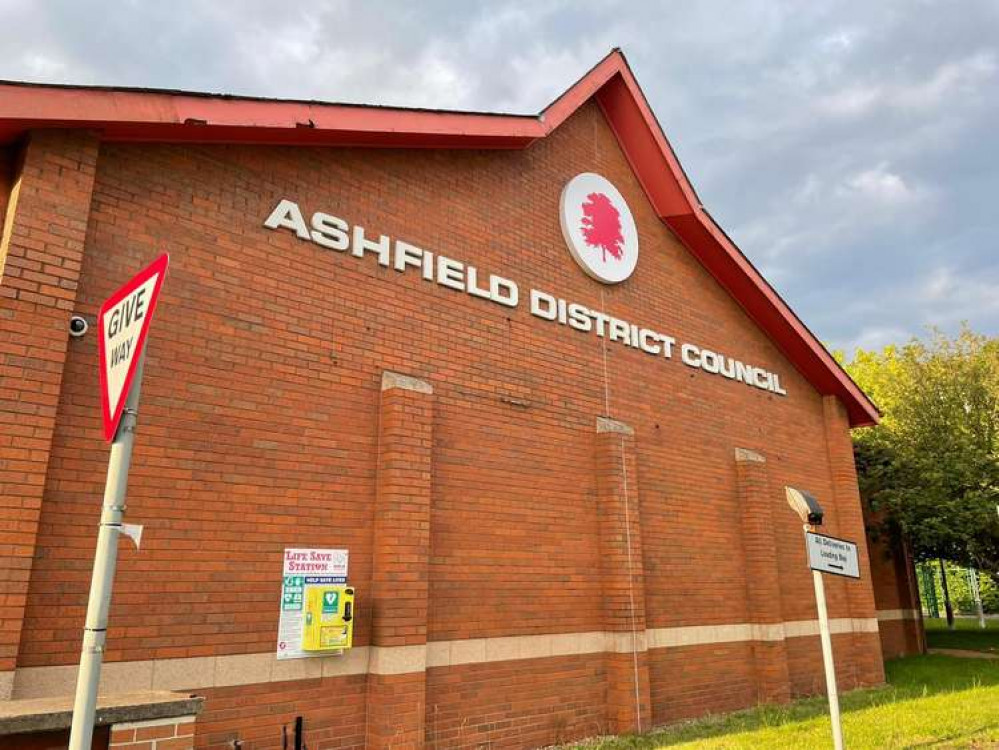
{"points": [[555, 529]]}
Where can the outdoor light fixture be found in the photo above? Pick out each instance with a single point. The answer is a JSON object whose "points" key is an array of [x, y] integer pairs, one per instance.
{"points": [[805, 505]]}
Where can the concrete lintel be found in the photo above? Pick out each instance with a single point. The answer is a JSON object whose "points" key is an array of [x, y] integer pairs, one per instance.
{"points": [[398, 659], [746, 456], [392, 380], [605, 424], [625, 642], [169, 721], [49, 714], [886, 615]]}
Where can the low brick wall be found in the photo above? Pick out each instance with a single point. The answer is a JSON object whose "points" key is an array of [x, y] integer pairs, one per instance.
{"points": [[159, 734]]}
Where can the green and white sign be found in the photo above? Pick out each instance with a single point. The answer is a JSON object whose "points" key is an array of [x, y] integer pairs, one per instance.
{"points": [[331, 602], [292, 593]]}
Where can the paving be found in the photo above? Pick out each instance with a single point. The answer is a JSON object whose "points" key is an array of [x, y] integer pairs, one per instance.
{"points": [[963, 653]]}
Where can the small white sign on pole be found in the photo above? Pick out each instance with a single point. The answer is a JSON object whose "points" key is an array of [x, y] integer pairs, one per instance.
{"points": [[838, 557], [827, 554]]}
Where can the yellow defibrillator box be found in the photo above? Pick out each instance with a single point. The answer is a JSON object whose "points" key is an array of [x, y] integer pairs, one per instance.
{"points": [[329, 617]]}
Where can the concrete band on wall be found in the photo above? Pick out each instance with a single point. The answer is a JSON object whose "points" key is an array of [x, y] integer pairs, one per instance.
{"points": [[887, 615], [245, 669]]}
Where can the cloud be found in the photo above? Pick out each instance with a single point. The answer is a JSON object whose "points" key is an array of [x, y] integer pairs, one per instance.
{"points": [[949, 81], [876, 337], [853, 101], [849, 147], [952, 78], [942, 297], [953, 295], [882, 187]]}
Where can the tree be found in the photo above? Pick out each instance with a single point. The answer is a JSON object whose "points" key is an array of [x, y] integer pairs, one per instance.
{"points": [[930, 470]]}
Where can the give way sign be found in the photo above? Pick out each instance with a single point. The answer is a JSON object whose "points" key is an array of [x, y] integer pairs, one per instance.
{"points": [[124, 321]]}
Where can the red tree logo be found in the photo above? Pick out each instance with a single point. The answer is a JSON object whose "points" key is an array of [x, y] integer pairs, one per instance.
{"points": [[601, 225]]}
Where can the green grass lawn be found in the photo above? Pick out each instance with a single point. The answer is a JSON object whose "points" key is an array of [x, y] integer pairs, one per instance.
{"points": [[966, 634], [930, 702]]}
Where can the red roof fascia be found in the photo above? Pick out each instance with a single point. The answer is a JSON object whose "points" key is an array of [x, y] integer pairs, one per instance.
{"points": [[158, 116], [143, 116]]}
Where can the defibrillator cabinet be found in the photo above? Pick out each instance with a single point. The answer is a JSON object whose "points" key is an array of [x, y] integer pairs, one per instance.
{"points": [[329, 618]]}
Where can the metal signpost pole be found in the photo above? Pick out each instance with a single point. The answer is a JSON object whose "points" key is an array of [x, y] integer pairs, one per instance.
{"points": [[827, 659], [831, 555], [105, 560], [948, 607], [976, 594]]}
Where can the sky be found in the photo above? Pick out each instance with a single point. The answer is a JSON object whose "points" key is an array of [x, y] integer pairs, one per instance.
{"points": [[851, 149]]}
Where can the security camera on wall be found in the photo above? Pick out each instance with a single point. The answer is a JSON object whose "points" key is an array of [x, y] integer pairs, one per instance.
{"points": [[78, 326]]}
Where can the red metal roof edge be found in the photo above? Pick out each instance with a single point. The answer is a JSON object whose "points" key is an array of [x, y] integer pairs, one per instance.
{"points": [[129, 114], [156, 115], [247, 97]]}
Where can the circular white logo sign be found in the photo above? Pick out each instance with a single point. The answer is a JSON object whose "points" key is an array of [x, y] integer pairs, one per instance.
{"points": [[598, 228]]}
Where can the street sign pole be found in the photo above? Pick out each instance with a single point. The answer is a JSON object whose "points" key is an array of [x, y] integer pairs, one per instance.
{"points": [[827, 659], [124, 320], [976, 594], [105, 561], [826, 554]]}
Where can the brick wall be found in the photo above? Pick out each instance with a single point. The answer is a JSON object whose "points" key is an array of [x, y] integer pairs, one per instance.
{"points": [[692, 681], [896, 591], [259, 715], [159, 734], [262, 426], [516, 704], [805, 660], [41, 253]]}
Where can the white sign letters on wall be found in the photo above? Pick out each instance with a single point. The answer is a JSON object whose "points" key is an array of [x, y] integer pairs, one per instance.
{"points": [[336, 234]]}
